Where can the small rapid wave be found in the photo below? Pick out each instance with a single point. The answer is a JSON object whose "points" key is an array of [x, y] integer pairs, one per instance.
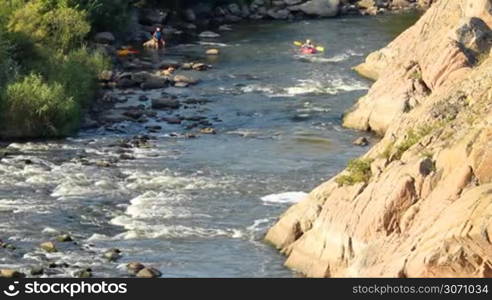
{"points": [[214, 44], [332, 86], [287, 197]]}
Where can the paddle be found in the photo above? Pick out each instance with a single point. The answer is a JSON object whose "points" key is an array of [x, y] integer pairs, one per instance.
{"points": [[318, 48]]}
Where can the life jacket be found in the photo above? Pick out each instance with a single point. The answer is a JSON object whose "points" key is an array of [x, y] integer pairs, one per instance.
{"points": [[158, 35]]}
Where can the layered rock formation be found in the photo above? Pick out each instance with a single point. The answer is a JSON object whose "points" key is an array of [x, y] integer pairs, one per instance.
{"points": [[424, 205]]}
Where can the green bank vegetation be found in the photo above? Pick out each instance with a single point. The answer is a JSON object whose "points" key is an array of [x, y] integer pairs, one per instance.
{"points": [[48, 75]]}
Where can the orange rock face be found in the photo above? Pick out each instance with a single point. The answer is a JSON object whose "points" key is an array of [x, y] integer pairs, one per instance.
{"points": [[426, 210]]}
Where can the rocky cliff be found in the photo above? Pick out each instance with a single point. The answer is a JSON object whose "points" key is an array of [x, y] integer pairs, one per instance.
{"points": [[419, 203]]}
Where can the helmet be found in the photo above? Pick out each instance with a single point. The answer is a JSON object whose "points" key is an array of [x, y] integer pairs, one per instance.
{"points": [[158, 29], [308, 41]]}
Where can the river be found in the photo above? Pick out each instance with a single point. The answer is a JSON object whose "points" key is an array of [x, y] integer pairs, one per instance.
{"points": [[198, 207]]}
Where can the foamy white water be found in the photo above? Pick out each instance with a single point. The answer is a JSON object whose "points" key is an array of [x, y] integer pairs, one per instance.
{"points": [[287, 197]]}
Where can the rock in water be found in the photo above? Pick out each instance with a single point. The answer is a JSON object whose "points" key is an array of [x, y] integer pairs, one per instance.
{"points": [[134, 267], [320, 8], [48, 247], [38, 270], [361, 141], [165, 103], [148, 272], [84, 273], [64, 238], [212, 52], [208, 131], [182, 78], [9, 273], [112, 254]]}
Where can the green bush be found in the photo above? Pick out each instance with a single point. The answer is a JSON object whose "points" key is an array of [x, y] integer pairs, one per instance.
{"points": [[33, 108], [359, 170], [8, 66], [51, 23], [47, 75], [78, 72]]}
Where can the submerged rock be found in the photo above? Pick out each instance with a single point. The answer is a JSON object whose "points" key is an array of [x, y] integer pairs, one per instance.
{"points": [[165, 103]]}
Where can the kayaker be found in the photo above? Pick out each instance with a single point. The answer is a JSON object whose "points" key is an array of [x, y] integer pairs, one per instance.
{"points": [[157, 36], [308, 45]]}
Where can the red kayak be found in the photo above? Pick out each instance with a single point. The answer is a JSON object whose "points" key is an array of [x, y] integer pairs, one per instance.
{"points": [[306, 50]]}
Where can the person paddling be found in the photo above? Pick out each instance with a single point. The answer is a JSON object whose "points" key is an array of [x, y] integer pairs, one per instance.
{"points": [[308, 45], [158, 39]]}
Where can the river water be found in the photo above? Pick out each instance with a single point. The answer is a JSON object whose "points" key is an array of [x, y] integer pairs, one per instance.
{"points": [[198, 207]]}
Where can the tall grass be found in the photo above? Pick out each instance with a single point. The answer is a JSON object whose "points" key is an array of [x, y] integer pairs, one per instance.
{"points": [[35, 108]]}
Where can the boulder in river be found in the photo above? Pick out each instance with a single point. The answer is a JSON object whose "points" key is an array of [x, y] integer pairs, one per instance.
{"points": [[234, 9], [64, 238], [154, 83], [148, 272], [112, 254], [165, 103], [172, 120], [212, 52], [320, 8], [83, 273], [36, 271], [134, 114], [9, 273], [106, 75], [208, 130], [186, 79], [48, 247], [200, 67], [134, 267], [361, 141]]}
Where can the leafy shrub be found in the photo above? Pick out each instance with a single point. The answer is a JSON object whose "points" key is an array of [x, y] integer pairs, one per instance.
{"points": [[359, 170], [8, 66], [78, 72], [51, 23], [34, 108]]}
